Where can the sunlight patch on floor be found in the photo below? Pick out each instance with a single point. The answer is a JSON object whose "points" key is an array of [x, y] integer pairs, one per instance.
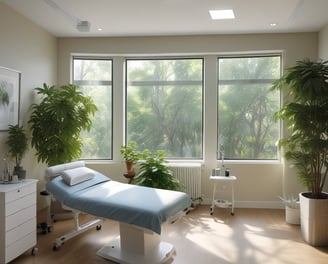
{"points": [[217, 241]]}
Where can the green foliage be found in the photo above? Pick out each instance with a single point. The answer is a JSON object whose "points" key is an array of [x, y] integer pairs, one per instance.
{"points": [[164, 106], [17, 142], [56, 123], [97, 143], [306, 116], [4, 96], [153, 172], [130, 153], [246, 106]]}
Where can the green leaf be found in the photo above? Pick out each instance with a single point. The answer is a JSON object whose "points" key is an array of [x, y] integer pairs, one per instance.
{"points": [[57, 121]]}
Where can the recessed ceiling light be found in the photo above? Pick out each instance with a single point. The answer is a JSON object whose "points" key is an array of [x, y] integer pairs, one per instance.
{"points": [[222, 14], [273, 24], [99, 29]]}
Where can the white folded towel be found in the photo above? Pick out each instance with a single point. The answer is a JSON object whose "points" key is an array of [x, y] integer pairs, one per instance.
{"points": [[57, 170], [77, 175]]}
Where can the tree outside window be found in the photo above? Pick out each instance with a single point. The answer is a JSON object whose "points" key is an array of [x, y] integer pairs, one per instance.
{"points": [[165, 106], [94, 77], [246, 106]]}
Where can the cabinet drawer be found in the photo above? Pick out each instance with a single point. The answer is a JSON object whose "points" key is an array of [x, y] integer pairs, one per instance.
{"points": [[20, 204], [20, 217], [20, 231], [20, 192], [20, 246]]}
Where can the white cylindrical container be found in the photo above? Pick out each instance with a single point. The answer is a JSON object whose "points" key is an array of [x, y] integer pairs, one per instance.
{"points": [[293, 215], [15, 179]]}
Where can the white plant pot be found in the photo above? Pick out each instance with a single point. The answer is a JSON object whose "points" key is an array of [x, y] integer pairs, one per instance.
{"points": [[293, 215], [314, 215]]}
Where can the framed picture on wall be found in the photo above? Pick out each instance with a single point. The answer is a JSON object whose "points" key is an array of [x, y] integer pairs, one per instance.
{"points": [[9, 97]]}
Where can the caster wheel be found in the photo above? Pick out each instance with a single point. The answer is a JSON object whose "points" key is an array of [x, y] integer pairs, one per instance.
{"points": [[34, 251], [211, 213], [98, 227], [55, 247], [232, 214]]}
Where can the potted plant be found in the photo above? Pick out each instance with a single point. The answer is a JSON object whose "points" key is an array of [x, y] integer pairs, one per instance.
{"points": [[56, 123], [18, 145], [131, 156], [153, 172], [306, 146]]}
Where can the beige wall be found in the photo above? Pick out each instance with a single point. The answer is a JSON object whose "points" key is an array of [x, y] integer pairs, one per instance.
{"points": [[32, 51], [323, 44], [323, 55], [258, 185], [295, 46]]}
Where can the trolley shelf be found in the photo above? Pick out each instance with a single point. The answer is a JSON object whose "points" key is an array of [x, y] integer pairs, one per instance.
{"points": [[219, 202], [222, 203]]}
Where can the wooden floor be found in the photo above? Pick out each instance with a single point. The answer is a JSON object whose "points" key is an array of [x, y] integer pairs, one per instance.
{"points": [[250, 236]]}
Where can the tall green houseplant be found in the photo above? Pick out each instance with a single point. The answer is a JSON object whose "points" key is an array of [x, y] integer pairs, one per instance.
{"points": [[306, 145], [56, 123], [306, 116]]}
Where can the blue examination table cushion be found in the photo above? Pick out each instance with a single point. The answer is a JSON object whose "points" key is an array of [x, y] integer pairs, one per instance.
{"points": [[141, 206]]}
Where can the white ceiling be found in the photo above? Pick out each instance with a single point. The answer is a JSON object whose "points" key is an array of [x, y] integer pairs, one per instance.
{"points": [[172, 17]]}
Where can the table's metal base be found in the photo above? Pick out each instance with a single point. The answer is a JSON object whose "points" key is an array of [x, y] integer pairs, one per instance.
{"points": [[137, 246], [113, 251]]}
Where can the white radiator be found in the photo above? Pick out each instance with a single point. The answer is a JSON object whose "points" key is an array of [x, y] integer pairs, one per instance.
{"points": [[190, 176]]}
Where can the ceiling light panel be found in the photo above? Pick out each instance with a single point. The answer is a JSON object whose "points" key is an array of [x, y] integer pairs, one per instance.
{"points": [[222, 14]]}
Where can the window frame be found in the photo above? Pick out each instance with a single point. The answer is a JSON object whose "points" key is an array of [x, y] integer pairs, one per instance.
{"points": [[267, 81], [209, 96], [202, 83], [102, 83]]}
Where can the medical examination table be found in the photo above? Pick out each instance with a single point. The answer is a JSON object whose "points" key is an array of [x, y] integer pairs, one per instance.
{"points": [[139, 210]]}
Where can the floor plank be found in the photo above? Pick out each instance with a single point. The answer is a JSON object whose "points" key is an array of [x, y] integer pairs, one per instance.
{"points": [[251, 236]]}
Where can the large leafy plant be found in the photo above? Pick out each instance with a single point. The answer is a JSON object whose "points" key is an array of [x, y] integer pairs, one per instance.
{"points": [[56, 123], [154, 172], [306, 116]]}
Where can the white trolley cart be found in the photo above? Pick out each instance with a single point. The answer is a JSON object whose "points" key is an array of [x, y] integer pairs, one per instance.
{"points": [[223, 203]]}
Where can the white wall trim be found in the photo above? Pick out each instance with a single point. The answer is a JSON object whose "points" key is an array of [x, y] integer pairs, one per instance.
{"points": [[253, 204]]}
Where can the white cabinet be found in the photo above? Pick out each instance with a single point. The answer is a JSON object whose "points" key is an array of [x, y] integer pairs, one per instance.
{"points": [[17, 219]]}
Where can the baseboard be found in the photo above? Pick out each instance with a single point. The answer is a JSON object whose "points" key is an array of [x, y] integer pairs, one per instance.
{"points": [[253, 204]]}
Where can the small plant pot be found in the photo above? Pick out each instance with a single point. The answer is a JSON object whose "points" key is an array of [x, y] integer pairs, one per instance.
{"points": [[20, 172], [130, 169]]}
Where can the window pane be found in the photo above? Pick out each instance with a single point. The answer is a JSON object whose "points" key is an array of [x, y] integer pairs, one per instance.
{"points": [[165, 106], [246, 106], [94, 77]]}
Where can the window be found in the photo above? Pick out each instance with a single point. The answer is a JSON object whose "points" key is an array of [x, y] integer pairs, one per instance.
{"points": [[246, 106], [165, 105], [94, 77]]}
